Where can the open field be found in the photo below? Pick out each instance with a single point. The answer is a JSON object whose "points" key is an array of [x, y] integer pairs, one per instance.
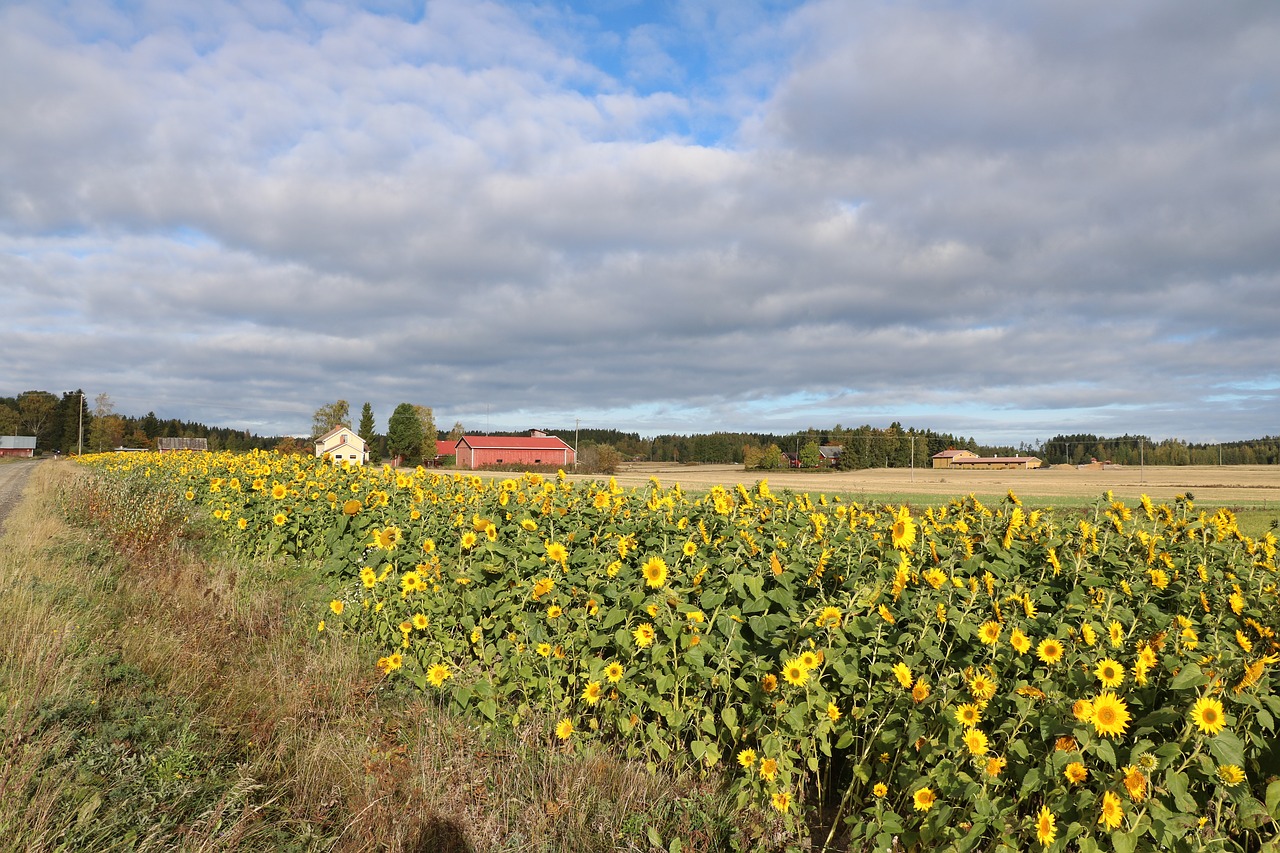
{"points": [[1245, 485]]}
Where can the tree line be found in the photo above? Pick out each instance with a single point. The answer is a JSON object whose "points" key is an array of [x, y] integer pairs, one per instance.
{"points": [[68, 422], [1080, 448], [65, 423]]}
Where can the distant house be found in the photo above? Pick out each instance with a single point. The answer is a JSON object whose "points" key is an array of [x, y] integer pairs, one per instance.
{"points": [[831, 453], [444, 450], [341, 444], [972, 462], [946, 457], [170, 444], [537, 448], [18, 445]]}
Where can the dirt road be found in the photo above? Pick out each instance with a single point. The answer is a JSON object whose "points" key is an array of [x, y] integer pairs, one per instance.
{"points": [[1209, 483], [13, 476]]}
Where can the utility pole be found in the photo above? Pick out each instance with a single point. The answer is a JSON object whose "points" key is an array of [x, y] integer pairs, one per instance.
{"points": [[80, 445], [577, 427]]}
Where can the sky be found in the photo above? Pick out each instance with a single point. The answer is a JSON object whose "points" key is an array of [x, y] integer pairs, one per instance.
{"points": [[1000, 219]]}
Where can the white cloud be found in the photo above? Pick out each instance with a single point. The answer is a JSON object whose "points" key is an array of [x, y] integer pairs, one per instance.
{"points": [[734, 216]]}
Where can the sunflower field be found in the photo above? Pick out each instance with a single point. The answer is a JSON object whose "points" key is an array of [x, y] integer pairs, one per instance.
{"points": [[967, 677]]}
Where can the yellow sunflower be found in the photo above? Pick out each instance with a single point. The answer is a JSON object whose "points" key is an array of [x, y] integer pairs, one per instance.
{"points": [[1109, 672], [975, 740], [1112, 812], [903, 533], [982, 687], [614, 672], [1050, 650], [902, 672], [1116, 632], [1021, 642], [968, 715], [437, 674], [1110, 714], [794, 672], [747, 758], [1075, 773], [1230, 775], [768, 769], [989, 633], [1208, 716], [591, 695], [644, 635], [1046, 826], [655, 572], [924, 799], [564, 729]]}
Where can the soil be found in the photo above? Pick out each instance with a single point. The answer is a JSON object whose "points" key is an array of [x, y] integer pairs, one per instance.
{"points": [[13, 477], [1217, 485]]}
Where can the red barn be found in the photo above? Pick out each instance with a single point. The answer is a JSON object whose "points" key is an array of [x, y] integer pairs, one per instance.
{"points": [[537, 448]]}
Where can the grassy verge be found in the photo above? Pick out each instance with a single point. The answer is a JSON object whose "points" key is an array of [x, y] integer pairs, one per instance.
{"points": [[158, 697]]}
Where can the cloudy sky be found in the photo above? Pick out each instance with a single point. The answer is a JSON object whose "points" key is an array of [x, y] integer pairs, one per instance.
{"points": [[997, 218]]}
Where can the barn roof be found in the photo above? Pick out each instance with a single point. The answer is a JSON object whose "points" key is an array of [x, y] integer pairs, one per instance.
{"points": [[514, 442], [17, 442]]}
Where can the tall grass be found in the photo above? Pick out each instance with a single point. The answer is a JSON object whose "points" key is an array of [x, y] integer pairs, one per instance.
{"points": [[157, 696]]}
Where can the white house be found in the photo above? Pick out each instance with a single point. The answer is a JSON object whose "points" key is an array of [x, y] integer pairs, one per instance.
{"points": [[342, 445]]}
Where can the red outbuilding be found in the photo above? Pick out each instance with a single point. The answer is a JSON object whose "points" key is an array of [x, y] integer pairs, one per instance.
{"points": [[537, 448]]}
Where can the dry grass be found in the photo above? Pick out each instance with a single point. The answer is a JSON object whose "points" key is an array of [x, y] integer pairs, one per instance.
{"points": [[179, 701]]}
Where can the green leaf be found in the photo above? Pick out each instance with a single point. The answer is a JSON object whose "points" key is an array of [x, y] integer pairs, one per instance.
{"points": [[1105, 751], [1273, 799], [1189, 677], [1177, 785], [1124, 842], [1227, 748], [730, 718]]}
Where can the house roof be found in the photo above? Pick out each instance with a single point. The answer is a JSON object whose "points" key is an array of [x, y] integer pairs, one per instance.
{"points": [[331, 433], [175, 443], [989, 460], [514, 442], [831, 451]]}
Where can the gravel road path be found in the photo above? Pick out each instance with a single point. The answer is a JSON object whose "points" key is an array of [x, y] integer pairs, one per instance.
{"points": [[13, 477]]}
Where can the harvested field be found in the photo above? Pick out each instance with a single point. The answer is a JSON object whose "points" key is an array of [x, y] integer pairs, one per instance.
{"points": [[1251, 484]]}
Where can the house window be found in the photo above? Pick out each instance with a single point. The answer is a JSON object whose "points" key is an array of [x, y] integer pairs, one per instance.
{"points": [[499, 461]]}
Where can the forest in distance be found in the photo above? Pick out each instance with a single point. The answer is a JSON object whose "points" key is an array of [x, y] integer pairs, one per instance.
{"points": [[70, 421]]}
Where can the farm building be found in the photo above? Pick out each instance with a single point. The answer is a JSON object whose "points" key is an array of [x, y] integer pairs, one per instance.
{"points": [[946, 457], [537, 448], [170, 444], [831, 453], [341, 444], [17, 445], [989, 463], [444, 449]]}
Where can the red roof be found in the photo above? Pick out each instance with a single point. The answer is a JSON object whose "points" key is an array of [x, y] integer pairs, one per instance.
{"points": [[446, 448], [514, 442]]}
